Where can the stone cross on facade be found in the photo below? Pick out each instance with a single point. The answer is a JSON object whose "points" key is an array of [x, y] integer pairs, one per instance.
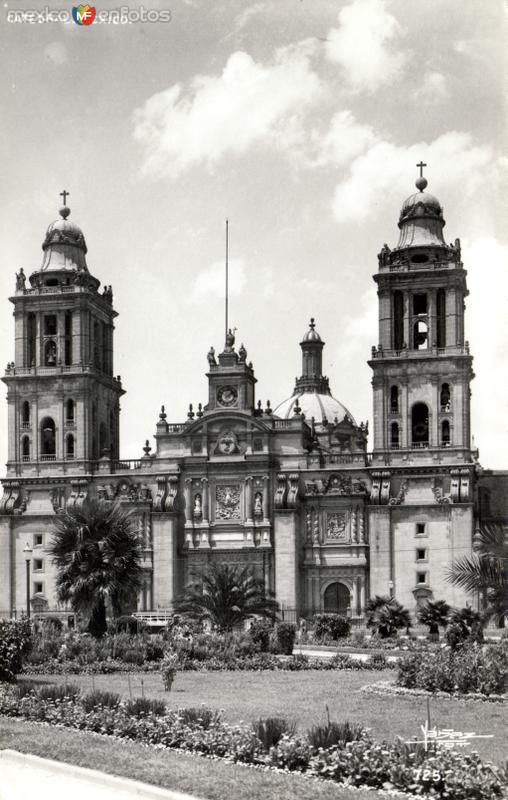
{"points": [[421, 165], [64, 194]]}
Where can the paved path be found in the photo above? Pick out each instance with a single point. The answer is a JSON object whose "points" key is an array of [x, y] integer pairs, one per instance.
{"points": [[23, 776], [317, 653]]}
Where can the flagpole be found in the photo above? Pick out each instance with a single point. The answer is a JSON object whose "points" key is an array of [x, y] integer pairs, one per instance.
{"points": [[227, 278]]}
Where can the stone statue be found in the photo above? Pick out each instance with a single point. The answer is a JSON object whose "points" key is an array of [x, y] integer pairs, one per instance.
{"points": [[242, 353], [20, 280], [198, 510], [383, 255], [258, 504], [211, 357]]}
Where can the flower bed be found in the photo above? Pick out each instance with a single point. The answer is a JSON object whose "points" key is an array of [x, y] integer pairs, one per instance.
{"points": [[469, 668], [256, 662], [389, 688], [356, 759]]}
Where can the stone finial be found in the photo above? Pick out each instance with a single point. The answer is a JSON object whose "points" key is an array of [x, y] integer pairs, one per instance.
{"points": [[199, 413], [162, 415], [147, 448]]}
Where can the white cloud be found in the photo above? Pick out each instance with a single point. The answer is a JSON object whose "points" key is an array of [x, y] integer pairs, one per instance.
{"points": [[249, 103], [454, 162], [344, 140], [211, 281], [362, 45], [486, 261], [361, 330], [433, 88]]}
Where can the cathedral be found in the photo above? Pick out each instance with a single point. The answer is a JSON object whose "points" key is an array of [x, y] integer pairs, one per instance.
{"points": [[291, 491]]}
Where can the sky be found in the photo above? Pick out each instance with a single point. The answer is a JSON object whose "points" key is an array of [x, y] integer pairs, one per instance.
{"points": [[299, 120]]}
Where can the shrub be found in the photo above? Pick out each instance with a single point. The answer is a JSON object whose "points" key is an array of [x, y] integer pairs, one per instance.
{"points": [[133, 656], [386, 616], [456, 634], [168, 670], [259, 633], [127, 624], [100, 699], [154, 648], [15, 644], [334, 734], [285, 634], [434, 613], [144, 707], [377, 661], [54, 692], [201, 717], [468, 669], [331, 626], [52, 624], [291, 752], [270, 730], [358, 639]]}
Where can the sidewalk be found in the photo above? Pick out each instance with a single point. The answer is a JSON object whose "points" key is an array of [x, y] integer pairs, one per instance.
{"points": [[24, 776]]}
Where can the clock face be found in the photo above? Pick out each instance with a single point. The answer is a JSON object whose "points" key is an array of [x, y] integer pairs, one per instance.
{"points": [[227, 396]]}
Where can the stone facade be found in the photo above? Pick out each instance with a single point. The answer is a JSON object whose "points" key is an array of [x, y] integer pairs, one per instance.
{"points": [[291, 492]]}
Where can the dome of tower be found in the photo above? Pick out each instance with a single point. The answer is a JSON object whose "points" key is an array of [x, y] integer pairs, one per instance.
{"points": [[64, 246], [312, 335], [315, 404], [421, 219]]}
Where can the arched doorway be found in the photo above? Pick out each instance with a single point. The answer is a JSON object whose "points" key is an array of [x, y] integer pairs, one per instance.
{"points": [[336, 599]]}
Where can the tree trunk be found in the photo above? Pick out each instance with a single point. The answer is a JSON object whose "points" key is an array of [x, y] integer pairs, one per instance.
{"points": [[97, 625]]}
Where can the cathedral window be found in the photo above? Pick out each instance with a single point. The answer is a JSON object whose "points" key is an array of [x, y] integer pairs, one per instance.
{"points": [[420, 425], [394, 399], [69, 412], [421, 578], [50, 325], [38, 587], [444, 397], [394, 436], [103, 440], [38, 564], [25, 448], [97, 345], [421, 554], [68, 338], [398, 320], [25, 414], [38, 539], [419, 304], [69, 446], [445, 433], [48, 438], [420, 335], [421, 529], [441, 318], [31, 339], [50, 353]]}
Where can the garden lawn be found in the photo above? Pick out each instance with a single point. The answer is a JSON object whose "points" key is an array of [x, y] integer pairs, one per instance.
{"points": [[202, 777], [303, 697]]}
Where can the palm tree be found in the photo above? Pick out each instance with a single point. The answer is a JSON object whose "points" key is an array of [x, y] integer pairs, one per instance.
{"points": [[486, 570], [434, 613], [226, 596], [386, 615], [97, 553]]}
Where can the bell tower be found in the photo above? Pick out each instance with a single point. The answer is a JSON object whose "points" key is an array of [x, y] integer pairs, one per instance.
{"points": [[63, 400], [422, 366]]}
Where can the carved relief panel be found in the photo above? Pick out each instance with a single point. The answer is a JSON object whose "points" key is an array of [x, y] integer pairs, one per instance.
{"points": [[227, 501], [337, 527]]}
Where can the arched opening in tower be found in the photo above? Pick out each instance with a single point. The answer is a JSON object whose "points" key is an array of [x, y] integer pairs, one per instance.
{"points": [[420, 425]]}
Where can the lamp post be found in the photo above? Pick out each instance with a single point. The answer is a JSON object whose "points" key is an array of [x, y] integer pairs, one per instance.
{"points": [[390, 587], [27, 550]]}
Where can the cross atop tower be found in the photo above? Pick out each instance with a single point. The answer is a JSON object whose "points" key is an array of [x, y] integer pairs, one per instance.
{"points": [[421, 165], [64, 194]]}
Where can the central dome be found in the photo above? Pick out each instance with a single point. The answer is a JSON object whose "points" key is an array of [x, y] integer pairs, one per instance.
{"points": [[64, 246], [314, 404], [312, 395]]}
